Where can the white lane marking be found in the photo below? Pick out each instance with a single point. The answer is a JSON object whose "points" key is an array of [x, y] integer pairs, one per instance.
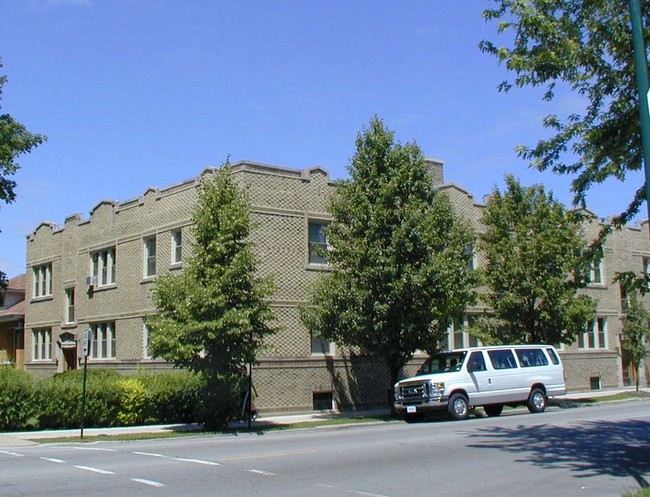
{"points": [[356, 492], [198, 461], [95, 470], [151, 454], [94, 448], [9, 453], [148, 482], [51, 459], [260, 472]]}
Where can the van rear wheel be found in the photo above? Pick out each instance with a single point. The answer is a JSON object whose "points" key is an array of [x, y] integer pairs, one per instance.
{"points": [[536, 400], [493, 410], [458, 407]]}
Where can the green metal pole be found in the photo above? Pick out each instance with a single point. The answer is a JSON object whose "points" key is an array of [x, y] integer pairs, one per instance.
{"points": [[641, 63]]}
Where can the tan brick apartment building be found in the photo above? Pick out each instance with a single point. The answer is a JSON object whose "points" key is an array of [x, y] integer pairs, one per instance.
{"points": [[97, 274]]}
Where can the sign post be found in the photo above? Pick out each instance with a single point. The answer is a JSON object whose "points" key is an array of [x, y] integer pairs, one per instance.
{"points": [[84, 353]]}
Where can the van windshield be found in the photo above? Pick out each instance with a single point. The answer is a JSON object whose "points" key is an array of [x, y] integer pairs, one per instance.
{"points": [[443, 362]]}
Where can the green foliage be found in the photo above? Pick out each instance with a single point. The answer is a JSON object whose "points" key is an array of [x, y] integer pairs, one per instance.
{"points": [[636, 332], [14, 141], [172, 397], [18, 400], [133, 398], [587, 46], [219, 401], [213, 317], [399, 258], [61, 399], [534, 268]]}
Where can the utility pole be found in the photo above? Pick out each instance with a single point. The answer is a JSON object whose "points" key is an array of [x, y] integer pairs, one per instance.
{"points": [[641, 64]]}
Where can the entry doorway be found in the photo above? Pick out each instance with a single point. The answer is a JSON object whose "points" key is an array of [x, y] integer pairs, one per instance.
{"points": [[68, 344]]}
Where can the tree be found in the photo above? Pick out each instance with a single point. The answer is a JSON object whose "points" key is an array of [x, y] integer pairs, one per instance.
{"points": [[14, 141], [636, 331], [586, 45], [398, 258], [534, 267], [213, 317]]}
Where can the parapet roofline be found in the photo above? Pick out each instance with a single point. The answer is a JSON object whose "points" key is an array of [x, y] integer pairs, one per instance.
{"points": [[239, 166]]}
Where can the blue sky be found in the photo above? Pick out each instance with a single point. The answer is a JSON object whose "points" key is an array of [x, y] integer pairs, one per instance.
{"points": [[140, 93]]}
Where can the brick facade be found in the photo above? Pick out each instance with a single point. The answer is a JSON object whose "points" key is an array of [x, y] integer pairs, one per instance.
{"points": [[289, 376]]}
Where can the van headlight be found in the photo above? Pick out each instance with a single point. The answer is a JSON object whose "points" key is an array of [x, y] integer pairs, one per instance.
{"points": [[437, 387]]}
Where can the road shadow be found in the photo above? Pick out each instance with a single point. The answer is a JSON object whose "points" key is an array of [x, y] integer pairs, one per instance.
{"points": [[620, 449]]}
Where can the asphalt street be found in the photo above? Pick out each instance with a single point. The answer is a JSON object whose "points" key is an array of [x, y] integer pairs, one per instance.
{"points": [[599, 450]]}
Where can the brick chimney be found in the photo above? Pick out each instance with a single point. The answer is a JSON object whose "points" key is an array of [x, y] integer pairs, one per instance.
{"points": [[436, 167]]}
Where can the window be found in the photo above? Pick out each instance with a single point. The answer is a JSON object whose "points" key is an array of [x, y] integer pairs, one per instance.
{"points": [[102, 341], [42, 344], [318, 246], [554, 358], [502, 359], [458, 336], [69, 305], [149, 256], [43, 280], [470, 253], [177, 246], [476, 362], [595, 336], [146, 341], [103, 266], [321, 346], [596, 275], [646, 266], [529, 358]]}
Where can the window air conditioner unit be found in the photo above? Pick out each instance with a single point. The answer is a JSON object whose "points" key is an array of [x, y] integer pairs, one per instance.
{"points": [[91, 281]]}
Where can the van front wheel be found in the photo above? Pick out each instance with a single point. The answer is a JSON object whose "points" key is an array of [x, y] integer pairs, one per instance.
{"points": [[536, 400], [458, 407]]}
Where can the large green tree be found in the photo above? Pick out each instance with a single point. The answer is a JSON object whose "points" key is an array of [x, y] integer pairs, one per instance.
{"points": [[534, 266], [15, 140], [213, 317], [398, 259], [636, 333], [585, 45]]}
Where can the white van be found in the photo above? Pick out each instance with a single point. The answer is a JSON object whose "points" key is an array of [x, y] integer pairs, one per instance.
{"points": [[491, 377]]}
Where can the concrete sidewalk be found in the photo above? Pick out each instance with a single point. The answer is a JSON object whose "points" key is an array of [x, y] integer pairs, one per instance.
{"points": [[27, 438]]}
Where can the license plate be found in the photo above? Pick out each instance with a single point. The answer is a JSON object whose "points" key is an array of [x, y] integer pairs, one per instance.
{"points": [[411, 409]]}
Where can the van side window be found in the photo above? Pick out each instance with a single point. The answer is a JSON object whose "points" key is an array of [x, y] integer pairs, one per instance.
{"points": [[476, 362], [531, 357], [502, 359], [554, 359]]}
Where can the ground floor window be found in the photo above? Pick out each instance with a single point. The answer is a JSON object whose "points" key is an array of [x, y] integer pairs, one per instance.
{"points": [[42, 344], [102, 341], [458, 336], [595, 335]]}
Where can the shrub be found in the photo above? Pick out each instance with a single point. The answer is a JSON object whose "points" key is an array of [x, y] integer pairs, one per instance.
{"points": [[18, 403], [61, 399], [133, 397], [172, 397]]}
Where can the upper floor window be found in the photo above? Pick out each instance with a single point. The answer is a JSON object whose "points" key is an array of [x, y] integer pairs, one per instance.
{"points": [[596, 274], [103, 266], [318, 246], [42, 344], [43, 280], [646, 266], [470, 253], [177, 246], [102, 341], [149, 256], [69, 305], [595, 335]]}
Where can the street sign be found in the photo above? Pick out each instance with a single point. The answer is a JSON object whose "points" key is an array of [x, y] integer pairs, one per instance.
{"points": [[85, 347]]}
